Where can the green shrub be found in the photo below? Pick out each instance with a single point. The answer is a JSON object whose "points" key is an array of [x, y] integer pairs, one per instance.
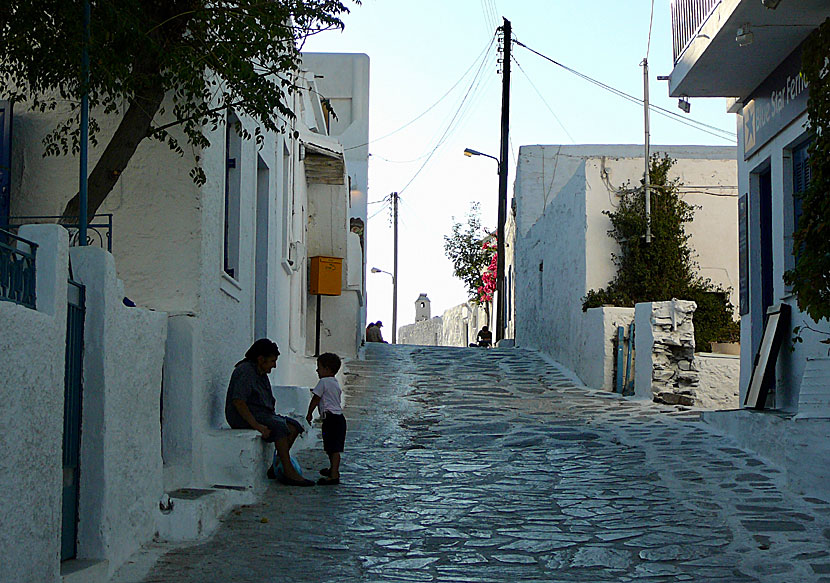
{"points": [[665, 268]]}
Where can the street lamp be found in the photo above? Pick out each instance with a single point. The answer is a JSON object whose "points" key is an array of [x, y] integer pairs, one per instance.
{"points": [[499, 241], [394, 303], [470, 152]]}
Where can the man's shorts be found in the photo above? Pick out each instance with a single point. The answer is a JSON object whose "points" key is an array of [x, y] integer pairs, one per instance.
{"points": [[334, 433], [276, 423]]}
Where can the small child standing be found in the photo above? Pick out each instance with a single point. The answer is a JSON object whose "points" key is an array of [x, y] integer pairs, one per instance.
{"points": [[326, 398]]}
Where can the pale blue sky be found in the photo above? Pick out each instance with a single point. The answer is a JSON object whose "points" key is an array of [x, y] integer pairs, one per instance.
{"points": [[419, 50]]}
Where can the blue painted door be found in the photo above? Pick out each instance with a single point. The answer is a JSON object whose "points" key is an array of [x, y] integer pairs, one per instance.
{"points": [[72, 392], [5, 160]]}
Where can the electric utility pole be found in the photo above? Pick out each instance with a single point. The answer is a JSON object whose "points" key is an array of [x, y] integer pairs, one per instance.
{"points": [[395, 270], [647, 181], [507, 33]]}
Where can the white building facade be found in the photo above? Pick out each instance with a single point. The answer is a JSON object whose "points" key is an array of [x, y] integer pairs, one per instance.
{"points": [[760, 75], [559, 247], [222, 264]]}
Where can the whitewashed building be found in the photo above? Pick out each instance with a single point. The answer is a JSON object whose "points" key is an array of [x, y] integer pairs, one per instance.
{"points": [[558, 246], [221, 264], [751, 54]]}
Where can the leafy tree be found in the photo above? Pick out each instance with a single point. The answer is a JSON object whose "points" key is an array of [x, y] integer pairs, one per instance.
{"points": [[665, 268], [469, 252], [206, 55], [810, 278]]}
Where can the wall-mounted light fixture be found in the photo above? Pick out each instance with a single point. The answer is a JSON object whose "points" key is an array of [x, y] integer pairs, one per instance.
{"points": [[771, 4], [744, 35], [684, 104]]}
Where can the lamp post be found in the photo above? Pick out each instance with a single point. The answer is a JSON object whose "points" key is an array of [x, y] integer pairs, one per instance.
{"points": [[394, 303], [469, 152]]}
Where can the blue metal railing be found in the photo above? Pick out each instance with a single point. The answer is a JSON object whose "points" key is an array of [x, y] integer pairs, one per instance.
{"points": [[99, 229], [687, 16], [17, 269]]}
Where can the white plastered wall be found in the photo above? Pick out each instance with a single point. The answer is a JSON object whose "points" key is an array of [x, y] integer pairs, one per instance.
{"points": [[32, 344], [562, 243], [776, 155], [121, 465], [343, 78], [155, 206]]}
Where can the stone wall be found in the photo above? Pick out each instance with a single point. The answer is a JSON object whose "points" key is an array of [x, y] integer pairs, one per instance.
{"points": [[665, 369], [458, 326], [424, 333]]}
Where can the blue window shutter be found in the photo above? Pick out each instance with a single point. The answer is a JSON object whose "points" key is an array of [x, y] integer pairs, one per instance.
{"points": [[801, 178]]}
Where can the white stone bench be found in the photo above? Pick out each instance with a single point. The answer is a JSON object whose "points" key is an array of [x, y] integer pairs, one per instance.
{"points": [[236, 457], [239, 457]]}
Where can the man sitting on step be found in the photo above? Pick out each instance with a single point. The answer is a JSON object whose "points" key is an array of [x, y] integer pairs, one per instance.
{"points": [[250, 404]]}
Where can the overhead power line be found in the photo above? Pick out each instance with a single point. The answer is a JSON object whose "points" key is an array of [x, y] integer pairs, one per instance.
{"points": [[542, 97], [434, 105], [650, 23], [698, 125], [455, 120]]}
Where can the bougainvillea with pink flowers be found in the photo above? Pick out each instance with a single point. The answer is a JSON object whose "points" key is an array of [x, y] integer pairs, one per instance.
{"points": [[488, 278]]}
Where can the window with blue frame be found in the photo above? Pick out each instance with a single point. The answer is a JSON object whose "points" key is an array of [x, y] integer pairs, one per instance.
{"points": [[801, 178]]}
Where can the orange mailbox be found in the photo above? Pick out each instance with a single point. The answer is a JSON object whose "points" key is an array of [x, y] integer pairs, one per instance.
{"points": [[326, 276]]}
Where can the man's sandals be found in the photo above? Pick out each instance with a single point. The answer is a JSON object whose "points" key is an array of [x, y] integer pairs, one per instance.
{"points": [[289, 482], [282, 479]]}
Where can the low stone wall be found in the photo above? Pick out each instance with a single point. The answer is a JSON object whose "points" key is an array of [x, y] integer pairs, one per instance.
{"points": [[665, 368], [423, 333], [720, 376], [595, 364], [458, 326]]}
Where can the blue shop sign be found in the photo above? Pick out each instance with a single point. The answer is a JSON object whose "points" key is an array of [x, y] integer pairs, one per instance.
{"points": [[780, 99]]}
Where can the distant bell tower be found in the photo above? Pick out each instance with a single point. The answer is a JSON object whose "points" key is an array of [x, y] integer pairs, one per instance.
{"points": [[422, 311]]}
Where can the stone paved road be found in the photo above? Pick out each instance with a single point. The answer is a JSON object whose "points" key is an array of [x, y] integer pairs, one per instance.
{"points": [[468, 465]]}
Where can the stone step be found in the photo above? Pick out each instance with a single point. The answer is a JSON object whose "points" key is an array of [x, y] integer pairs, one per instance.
{"points": [[195, 512], [84, 571]]}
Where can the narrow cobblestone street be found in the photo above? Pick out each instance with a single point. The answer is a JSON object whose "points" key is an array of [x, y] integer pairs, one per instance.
{"points": [[472, 465]]}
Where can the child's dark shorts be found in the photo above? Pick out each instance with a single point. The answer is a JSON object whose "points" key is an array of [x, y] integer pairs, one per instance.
{"points": [[334, 433]]}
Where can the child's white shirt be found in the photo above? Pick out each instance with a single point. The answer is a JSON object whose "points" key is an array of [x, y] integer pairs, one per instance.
{"points": [[328, 389]]}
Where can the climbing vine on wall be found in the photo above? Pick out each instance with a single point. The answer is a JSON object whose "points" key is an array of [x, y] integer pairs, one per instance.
{"points": [[810, 278], [664, 268]]}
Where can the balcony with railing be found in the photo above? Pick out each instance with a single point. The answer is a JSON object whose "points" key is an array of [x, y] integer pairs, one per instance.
{"points": [[99, 229], [726, 48], [17, 269], [687, 16]]}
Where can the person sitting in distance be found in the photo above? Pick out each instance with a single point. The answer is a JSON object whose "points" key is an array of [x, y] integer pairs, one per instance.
{"points": [[250, 404], [485, 337], [373, 332]]}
